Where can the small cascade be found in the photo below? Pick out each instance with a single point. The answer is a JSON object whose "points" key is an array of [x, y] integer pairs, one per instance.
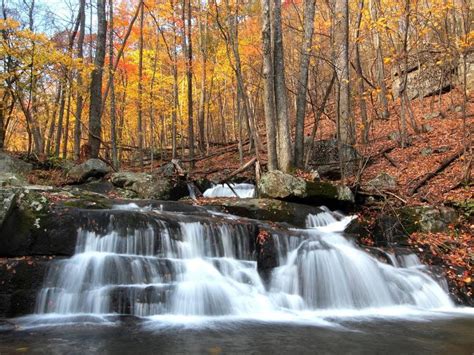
{"points": [[205, 265], [223, 190]]}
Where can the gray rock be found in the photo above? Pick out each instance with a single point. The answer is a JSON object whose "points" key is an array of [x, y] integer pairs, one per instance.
{"points": [[91, 168], [276, 184], [10, 164], [150, 186], [433, 115], [11, 179], [428, 219], [382, 181], [426, 128], [426, 151]]}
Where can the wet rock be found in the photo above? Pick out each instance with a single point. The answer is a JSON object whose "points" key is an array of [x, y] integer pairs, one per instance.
{"points": [[325, 158], [92, 168], [20, 280], [382, 181], [278, 185], [7, 204], [389, 231], [10, 164], [266, 210]]}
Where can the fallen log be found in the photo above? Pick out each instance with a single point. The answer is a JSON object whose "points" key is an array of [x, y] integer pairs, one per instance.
{"points": [[239, 170], [444, 164]]}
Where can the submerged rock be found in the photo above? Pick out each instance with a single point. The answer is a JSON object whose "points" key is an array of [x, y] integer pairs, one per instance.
{"points": [[276, 184], [92, 168]]}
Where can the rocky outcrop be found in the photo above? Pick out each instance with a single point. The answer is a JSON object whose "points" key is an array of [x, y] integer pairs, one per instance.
{"points": [[147, 186], [427, 219], [92, 168], [425, 76], [278, 185]]}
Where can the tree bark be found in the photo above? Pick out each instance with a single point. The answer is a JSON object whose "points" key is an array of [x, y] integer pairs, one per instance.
{"points": [[269, 86], [140, 89], [309, 10], [79, 99], [284, 139], [95, 124]]}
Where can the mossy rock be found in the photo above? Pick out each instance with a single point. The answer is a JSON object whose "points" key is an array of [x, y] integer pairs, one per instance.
{"points": [[427, 219]]}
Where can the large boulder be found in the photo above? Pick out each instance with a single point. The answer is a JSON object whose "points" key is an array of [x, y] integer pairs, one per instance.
{"points": [[149, 186], [92, 168], [279, 185], [10, 164], [325, 158]]}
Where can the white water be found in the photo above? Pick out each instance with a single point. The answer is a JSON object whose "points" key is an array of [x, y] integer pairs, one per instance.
{"points": [[223, 190], [204, 269]]}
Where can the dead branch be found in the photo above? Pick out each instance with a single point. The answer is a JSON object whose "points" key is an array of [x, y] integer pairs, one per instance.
{"points": [[444, 164]]}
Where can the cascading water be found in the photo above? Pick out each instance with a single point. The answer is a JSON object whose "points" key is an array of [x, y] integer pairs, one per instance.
{"points": [[205, 266], [225, 190]]}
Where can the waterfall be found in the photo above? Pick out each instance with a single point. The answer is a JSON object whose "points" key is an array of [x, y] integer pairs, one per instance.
{"points": [[223, 190], [205, 265]]}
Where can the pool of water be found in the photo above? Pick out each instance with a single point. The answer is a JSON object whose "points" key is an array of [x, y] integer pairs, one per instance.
{"points": [[439, 333]]}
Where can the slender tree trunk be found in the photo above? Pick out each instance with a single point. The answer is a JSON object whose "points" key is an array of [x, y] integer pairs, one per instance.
{"points": [[269, 86], [358, 67], [95, 124], [189, 76], [140, 89], [345, 127], [79, 99], [309, 10], [284, 144], [379, 65], [66, 127], [203, 27], [59, 130], [113, 117]]}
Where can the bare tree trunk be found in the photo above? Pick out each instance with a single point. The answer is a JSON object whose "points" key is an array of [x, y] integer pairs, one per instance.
{"points": [[346, 134], [95, 124], [284, 144], [113, 117], [379, 66], [66, 127], [140, 89], [269, 86], [203, 28], [358, 67], [189, 75], [79, 99], [309, 10], [62, 103]]}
